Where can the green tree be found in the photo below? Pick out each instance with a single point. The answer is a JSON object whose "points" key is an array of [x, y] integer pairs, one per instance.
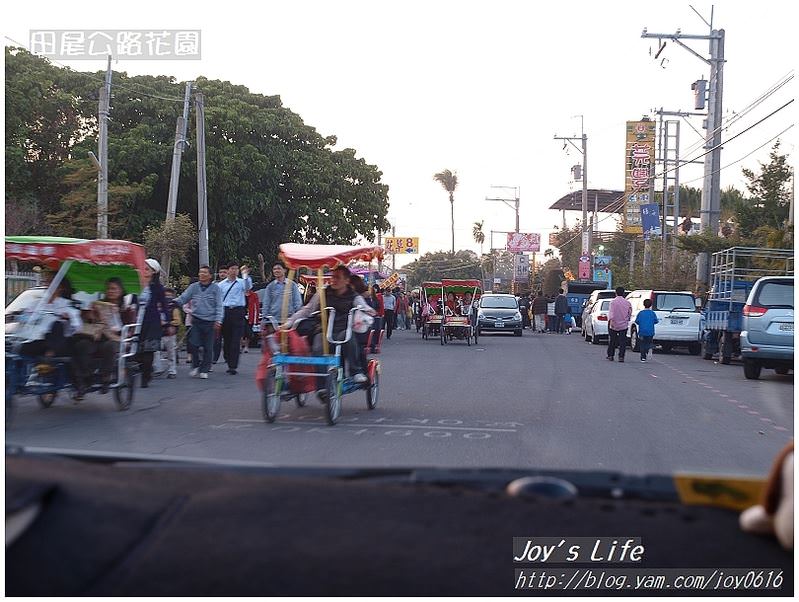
{"points": [[770, 196], [177, 237], [449, 181], [478, 234], [443, 264], [271, 178]]}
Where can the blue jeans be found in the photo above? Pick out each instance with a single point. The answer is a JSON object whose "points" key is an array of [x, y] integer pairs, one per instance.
{"points": [[202, 340], [645, 344]]}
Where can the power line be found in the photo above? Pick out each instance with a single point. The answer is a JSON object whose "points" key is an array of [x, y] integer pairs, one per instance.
{"points": [[747, 155], [750, 107]]}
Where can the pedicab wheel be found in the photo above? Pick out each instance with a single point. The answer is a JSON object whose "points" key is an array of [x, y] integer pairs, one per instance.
{"points": [[333, 405], [271, 396], [468, 339], [373, 392], [475, 335], [301, 399], [47, 399], [123, 394]]}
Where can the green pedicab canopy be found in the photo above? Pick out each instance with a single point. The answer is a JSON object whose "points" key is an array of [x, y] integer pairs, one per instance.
{"points": [[94, 261]]}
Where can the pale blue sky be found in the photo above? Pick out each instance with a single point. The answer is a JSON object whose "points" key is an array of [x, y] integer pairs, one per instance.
{"points": [[480, 88]]}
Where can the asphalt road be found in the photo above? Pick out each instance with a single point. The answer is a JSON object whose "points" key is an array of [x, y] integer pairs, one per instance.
{"points": [[544, 401]]}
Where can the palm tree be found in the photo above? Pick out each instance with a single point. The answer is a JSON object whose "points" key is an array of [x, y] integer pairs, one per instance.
{"points": [[449, 181], [478, 234]]}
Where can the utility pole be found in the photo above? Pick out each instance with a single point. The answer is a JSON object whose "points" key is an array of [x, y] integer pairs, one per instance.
{"points": [[202, 191], [711, 189], [583, 149], [102, 151], [515, 207], [174, 178]]}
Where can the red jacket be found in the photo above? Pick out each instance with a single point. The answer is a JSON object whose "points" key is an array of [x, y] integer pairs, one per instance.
{"points": [[381, 309]]}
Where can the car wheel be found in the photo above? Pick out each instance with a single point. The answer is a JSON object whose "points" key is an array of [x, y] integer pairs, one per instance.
{"points": [[695, 348], [595, 339], [518, 333], [752, 369]]}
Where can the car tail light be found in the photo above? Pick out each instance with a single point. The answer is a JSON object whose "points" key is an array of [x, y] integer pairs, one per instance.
{"points": [[602, 318], [753, 311]]}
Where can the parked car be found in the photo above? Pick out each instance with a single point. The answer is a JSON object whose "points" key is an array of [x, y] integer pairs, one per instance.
{"points": [[499, 313], [595, 296], [767, 335], [27, 299], [678, 315], [595, 323]]}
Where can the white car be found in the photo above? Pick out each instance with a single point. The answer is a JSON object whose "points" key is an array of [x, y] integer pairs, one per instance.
{"points": [[596, 321], [595, 296], [678, 315]]}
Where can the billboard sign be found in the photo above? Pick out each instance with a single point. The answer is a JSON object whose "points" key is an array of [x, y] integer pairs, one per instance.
{"points": [[519, 242], [584, 273], [399, 245], [521, 267], [650, 220], [639, 162]]}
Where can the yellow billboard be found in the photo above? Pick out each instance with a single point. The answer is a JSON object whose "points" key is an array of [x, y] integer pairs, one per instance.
{"points": [[639, 162], [401, 245]]}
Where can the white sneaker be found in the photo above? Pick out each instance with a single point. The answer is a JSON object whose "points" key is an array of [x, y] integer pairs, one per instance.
{"points": [[360, 378], [203, 375], [194, 372]]}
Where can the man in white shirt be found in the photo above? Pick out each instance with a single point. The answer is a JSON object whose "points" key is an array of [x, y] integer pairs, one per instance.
{"points": [[235, 311]]}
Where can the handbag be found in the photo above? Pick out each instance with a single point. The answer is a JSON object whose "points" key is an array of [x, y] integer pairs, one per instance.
{"points": [[361, 321]]}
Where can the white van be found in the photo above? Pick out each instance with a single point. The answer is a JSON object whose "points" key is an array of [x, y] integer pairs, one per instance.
{"points": [[678, 315]]}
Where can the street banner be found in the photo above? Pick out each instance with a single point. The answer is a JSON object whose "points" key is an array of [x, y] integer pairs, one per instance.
{"points": [[638, 164], [519, 242], [521, 267], [586, 242], [391, 281], [650, 220], [399, 245], [584, 272]]}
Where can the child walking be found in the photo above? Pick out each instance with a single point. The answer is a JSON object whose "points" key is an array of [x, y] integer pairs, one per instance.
{"points": [[646, 320]]}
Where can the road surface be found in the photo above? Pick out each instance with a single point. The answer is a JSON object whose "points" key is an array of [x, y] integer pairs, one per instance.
{"points": [[543, 401]]}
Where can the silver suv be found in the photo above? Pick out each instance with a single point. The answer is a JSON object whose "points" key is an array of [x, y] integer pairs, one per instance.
{"points": [[767, 333]]}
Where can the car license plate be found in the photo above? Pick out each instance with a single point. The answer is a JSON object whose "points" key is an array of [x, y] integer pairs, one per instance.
{"points": [[499, 324], [676, 321], [786, 327]]}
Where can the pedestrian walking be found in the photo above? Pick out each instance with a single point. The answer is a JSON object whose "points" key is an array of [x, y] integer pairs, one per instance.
{"points": [[169, 342], [272, 303], [377, 326], [234, 303], [402, 311], [153, 306], [524, 309], [551, 314], [207, 314], [645, 321], [540, 312], [561, 309], [389, 306], [221, 276], [619, 314]]}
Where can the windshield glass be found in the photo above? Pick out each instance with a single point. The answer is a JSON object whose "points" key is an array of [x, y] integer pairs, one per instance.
{"points": [[403, 190], [777, 294], [499, 303], [25, 300], [672, 301]]}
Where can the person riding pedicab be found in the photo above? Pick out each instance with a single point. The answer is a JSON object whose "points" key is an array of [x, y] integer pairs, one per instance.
{"points": [[339, 295]]}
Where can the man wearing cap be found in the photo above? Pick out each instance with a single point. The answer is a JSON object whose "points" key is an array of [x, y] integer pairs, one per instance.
{"points": [[234, 303]]}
